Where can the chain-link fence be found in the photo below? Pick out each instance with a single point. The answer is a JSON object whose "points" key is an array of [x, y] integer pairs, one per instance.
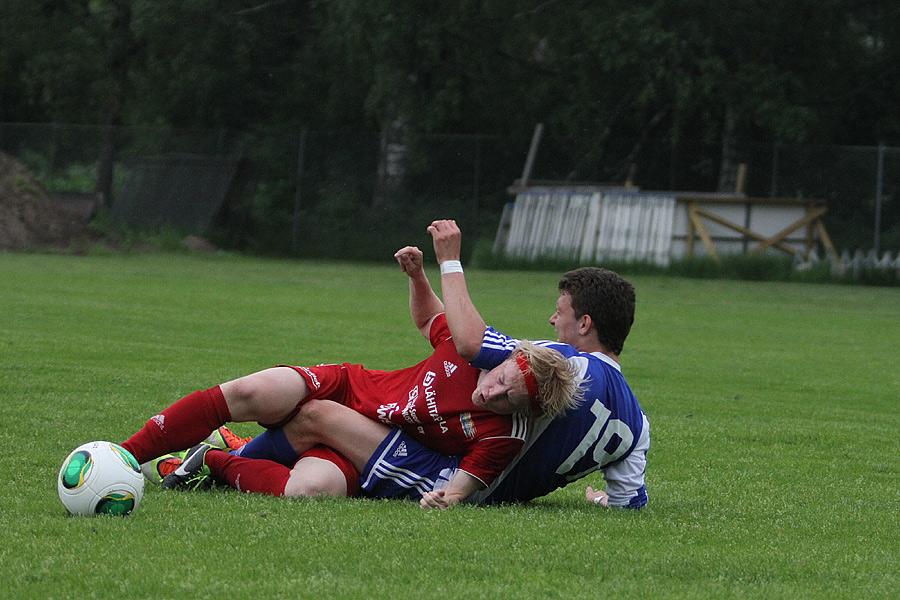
{"points": [[326, 194]]}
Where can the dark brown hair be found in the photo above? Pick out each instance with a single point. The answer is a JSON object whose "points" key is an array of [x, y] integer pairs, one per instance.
{"points": [[607, 298]]}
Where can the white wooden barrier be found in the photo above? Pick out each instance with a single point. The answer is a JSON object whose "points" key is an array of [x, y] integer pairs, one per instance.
{"points": [[619, 225], [591, 227]]}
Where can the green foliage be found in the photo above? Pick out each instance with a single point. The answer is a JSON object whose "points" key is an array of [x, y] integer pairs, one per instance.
{"points": [[764, 267], [351, 230], [761, 267], [772, 472], [677, 69], [115, 237], [73, 178], [605, 77]]}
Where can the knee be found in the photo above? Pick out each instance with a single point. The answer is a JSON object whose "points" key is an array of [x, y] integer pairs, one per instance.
{"points": [[303, 430], [241, 391], [315, 413], [313, 477], [311, 489], [266, 396], [311, 425]]}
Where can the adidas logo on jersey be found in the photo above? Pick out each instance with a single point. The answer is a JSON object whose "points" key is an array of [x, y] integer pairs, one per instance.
{"points": [[449, 368], [401, 450]]}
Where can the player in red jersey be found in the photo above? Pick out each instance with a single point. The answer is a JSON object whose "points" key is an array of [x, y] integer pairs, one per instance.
{"points": [[436, 409], [431, 401], [608, 431]]}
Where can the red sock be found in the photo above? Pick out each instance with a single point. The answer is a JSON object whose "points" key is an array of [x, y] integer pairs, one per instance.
{"points": [[183, 425], [250, 475]]}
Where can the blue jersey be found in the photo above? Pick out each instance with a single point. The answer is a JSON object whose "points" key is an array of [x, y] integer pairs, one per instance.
{"points": [[607, 431]]}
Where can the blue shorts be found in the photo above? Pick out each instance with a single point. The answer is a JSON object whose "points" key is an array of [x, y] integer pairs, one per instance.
{"points": [[404, 468]]}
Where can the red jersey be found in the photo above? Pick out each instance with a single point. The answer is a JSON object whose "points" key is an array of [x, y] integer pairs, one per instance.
{"points": [[432, 401]]}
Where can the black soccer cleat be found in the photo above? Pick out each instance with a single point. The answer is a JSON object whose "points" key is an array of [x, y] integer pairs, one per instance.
{"points": [[192, 472]]}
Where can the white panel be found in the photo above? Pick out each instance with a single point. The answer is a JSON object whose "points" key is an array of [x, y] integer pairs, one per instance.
{"points": [[595, 228], [680, 223], [592, 225], [573, 226], [770, 220]]}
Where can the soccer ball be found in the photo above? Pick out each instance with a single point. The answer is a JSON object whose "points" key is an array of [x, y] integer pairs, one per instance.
{"points": [[100, 478]]}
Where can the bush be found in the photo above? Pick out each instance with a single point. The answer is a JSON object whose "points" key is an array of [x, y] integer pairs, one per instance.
{"points": [[766, 267]]}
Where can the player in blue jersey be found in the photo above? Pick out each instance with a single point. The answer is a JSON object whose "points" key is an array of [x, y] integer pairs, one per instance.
{"points": [[608, 431]]}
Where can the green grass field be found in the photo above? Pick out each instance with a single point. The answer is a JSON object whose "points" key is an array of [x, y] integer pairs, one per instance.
{"points": [[774, 470]]}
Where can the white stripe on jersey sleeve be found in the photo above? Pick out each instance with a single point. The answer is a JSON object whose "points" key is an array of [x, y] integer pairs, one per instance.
{"points": [[518, 431], [494, 340], [520, 426]]}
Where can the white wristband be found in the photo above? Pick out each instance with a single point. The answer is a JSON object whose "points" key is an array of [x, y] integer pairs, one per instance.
{"points": [[451, 266], [598, 499]]}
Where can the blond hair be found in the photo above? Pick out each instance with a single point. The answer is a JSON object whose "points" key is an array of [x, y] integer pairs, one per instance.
{"points": [[559, 388]]}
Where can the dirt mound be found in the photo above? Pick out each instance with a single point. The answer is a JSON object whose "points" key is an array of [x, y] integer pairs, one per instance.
{"points": [[31, 218]]}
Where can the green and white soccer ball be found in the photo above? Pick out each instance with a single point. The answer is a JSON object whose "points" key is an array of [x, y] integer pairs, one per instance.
{"points": [[100, 478]]}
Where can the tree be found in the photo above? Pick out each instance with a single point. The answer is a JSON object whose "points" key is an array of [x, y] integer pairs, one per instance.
{"points": [[79, 58], [593, 71], [732, 72]]}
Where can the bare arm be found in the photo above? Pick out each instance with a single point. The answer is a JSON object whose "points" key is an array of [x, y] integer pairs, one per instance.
{"points": [[424, 304], [466, 324], [461, 486]]}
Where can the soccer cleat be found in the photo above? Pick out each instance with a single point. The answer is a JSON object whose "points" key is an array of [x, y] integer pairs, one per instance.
{"points": [[156, 470], [192, 472], [225, 439]]}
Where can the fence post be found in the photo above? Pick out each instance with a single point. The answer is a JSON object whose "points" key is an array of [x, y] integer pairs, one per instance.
{"points": [[532, 151], [878, 188]]}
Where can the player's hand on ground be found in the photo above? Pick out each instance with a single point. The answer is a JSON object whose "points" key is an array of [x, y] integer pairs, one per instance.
{"points": [[410, 260], [434, 499], [447, 239], [598, 497]]}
